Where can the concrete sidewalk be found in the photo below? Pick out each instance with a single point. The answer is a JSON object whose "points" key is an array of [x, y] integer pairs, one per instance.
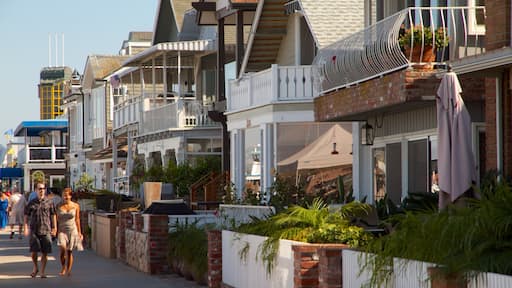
{"points": [[89, 270]]}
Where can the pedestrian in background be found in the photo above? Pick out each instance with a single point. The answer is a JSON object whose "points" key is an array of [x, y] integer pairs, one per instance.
{"points": [[4, 205], [70, 235], [40, 224], [16, 210]]}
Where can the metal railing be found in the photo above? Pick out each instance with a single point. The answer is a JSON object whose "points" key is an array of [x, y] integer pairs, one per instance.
{"points": [[277, 84], [448, 32]]}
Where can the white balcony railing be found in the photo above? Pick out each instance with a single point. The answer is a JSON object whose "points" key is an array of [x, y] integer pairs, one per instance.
{"points": [[180, 114], [127, 112], [42, 154], [277, 84], [376, 50]]}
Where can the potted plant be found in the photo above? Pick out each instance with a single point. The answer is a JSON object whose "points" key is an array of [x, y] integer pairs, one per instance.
{"points": [[423, 41]]}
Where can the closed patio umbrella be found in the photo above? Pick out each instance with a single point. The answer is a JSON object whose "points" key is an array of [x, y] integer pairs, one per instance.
{"points": [[456, 164]]}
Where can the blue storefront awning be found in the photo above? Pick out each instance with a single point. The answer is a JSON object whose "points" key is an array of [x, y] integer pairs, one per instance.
{"points": [[34, 128], [11, 173]]}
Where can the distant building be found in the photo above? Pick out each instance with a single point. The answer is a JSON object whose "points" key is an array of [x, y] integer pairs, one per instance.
{"points": [[51, 91]]}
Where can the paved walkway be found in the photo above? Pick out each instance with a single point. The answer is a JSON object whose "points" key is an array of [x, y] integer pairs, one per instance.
{"points": [[89, 270]]}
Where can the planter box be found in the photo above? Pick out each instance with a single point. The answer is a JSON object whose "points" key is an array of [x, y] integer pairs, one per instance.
{"points": [[250, 271]]}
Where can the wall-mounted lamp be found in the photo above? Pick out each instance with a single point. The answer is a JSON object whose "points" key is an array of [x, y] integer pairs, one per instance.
{"points": [[367, 134], [334, 151]]}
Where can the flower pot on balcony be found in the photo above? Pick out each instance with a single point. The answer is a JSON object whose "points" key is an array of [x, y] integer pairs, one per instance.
{"points": [[422, 60], [440, 279]]}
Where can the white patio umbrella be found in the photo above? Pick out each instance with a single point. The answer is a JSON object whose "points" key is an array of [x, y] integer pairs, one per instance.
{"points": [[456, 164]]}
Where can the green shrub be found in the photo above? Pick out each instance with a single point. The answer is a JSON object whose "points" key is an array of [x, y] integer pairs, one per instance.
{"points": [[188, 249], [311, 224]]}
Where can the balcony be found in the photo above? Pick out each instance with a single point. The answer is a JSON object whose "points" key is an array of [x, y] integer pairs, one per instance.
{"points": [[181, 114], [42, 154], [279, 84], [376, 50], [127, 112]]}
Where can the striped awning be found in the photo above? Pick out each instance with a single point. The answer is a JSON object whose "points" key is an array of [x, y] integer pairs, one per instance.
{"points": [[160, 48]]}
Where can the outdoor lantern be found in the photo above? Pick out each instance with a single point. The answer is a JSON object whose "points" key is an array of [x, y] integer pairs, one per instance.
{"points": [[334, 151], [367, 134]]}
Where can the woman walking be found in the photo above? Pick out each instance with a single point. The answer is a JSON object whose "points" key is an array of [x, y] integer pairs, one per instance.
{"points": [[4, 205], [69, 235]]}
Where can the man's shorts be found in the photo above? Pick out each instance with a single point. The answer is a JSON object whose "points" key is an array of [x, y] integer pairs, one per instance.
{"points": [[41, 243]]}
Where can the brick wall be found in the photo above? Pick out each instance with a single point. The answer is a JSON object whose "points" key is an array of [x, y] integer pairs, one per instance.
{"points": [[317, 265], [144, 250], [409, 85], [214, 258], [497, 24]]}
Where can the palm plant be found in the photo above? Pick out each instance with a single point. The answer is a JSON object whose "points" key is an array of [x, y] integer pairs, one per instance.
{"points": [[460, 239], [312, 224]]}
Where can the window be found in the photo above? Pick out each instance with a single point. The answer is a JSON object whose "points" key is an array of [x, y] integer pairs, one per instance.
{"points": [[476, 17], [379, 173], [417, 161]]}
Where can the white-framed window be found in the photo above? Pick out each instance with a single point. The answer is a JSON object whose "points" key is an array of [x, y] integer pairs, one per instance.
{"points": [[476, 17]]}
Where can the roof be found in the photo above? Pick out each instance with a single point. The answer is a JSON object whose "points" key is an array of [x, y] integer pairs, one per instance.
{"points": [[331, 20], [103, 65], [140, 36], [34, 128]]}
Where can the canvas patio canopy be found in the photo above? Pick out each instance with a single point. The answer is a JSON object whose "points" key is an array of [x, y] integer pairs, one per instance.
{"points": [[319, 154]]}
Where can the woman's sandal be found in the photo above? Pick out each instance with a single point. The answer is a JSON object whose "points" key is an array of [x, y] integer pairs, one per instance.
{"points": [[34, 273]]}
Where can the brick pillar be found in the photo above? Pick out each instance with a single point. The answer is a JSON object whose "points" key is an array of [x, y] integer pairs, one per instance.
{"points": [[158, 237], [330, 267], [124, 221], [138, 222], [214, 258], [305, 262]]}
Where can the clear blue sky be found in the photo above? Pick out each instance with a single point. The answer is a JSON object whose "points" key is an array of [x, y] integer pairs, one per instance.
{"points": [[89, 27]]}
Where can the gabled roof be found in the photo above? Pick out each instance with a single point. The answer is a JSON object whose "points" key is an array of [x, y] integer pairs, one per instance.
{"points": [[140, 36], [97, 67], [102, 65], [169, 20], [331, 20]]}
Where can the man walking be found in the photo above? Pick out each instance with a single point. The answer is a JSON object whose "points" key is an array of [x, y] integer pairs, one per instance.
{"points": [[40, 217]]}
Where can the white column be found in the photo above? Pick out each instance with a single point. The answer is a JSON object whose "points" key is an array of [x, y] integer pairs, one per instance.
{"points": [[239, 169], [164, 72], [153, 76], [26, 180], [114, 159], [267, 155], [298, 53]]}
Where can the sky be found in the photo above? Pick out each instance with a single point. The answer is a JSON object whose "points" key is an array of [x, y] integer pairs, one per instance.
{"points": [[89, 27]]}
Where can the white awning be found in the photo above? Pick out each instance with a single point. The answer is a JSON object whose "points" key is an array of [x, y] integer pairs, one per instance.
{"points": [[160, 48]]}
